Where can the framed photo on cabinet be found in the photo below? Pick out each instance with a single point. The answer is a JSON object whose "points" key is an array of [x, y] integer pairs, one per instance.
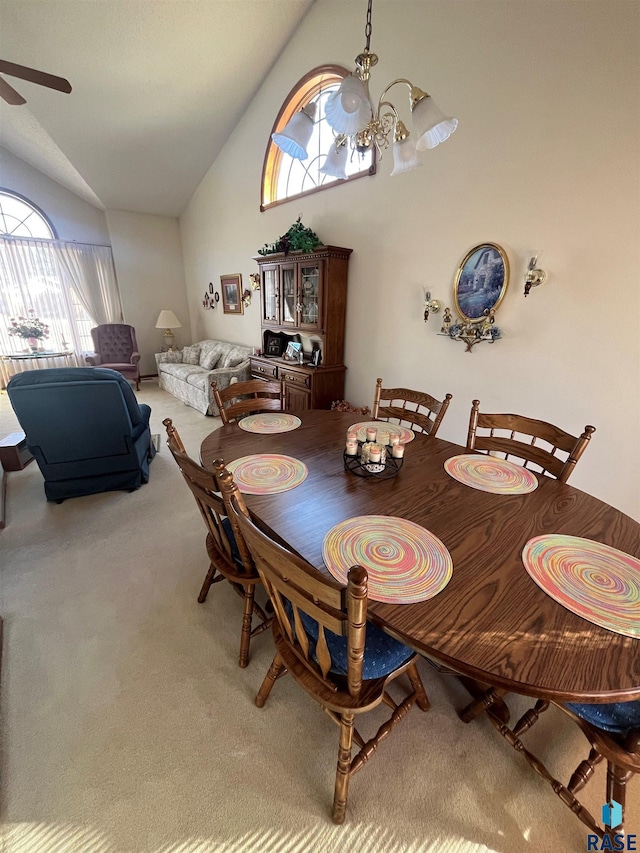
{"points": [[231, 287]]}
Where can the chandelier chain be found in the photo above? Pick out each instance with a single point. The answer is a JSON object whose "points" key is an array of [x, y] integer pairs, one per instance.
{"points": [[367, 29]]}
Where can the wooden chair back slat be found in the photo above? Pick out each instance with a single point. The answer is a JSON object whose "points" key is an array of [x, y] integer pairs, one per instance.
{"points": [[290, 577], [203, 486], [425, 414], [246, 398], [529, 451]]}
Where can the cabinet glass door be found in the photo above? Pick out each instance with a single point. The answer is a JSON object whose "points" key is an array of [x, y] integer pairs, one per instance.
{"points": [[310, 294], [289, 296], [270, 294]]}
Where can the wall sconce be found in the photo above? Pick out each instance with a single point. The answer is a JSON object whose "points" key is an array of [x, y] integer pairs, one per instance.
{"points": [[534, 276], [431, 306], [254, 277]]}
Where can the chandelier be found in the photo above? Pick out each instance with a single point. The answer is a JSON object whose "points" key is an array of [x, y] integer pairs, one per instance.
{"points": [[359, 126]]}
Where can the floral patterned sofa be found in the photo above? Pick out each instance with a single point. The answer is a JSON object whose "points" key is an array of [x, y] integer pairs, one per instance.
{"points": [[188, 374]]}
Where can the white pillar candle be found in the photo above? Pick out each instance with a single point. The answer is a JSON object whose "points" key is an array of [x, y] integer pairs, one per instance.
{"points": [[374, 453], [383, 436], [398, 450], [352, 436], [395, 439], [371, 434], [352, 448]]}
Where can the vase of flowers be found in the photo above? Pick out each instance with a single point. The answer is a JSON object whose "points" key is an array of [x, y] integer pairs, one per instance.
{"points": [[29, 328]]}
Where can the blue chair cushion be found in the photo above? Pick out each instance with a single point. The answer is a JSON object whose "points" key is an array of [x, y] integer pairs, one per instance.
{"points": [[382, 654], [235, 554], [618, 717]]}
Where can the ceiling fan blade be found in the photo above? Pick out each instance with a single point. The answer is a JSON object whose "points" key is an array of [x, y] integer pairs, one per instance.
{"points": [[9, 94], [34, 76]]}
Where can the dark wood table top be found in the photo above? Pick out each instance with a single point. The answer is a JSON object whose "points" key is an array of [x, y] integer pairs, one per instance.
{"points": [[491, 622]]}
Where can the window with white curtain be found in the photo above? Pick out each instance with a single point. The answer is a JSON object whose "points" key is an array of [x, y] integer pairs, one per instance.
{"points": [[69, 287]]}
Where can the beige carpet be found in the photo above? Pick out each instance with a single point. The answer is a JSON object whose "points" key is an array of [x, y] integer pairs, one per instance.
{"points": [[127, 726]]}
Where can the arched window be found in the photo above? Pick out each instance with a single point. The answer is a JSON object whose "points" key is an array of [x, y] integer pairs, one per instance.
{"points": [[284, 178], [21, 218]]}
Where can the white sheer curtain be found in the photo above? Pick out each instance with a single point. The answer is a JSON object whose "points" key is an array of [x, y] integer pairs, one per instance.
{"points": [[92, 275], [69, 286]]}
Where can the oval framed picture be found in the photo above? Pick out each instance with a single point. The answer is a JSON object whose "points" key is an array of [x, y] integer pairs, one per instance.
{"points": [[481, 281]]}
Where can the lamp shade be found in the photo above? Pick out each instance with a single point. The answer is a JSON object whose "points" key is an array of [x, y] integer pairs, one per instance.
{"points": [[405, 156], [431, 126], [168, 320], [294, 137], [336, 161], [348, 109]]}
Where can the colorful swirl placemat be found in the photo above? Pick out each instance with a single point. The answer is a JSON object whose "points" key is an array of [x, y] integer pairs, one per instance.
{"points": [[405, 562], [269, 423], [590, 579], [267, 473], [406, 435], [490, 474]]}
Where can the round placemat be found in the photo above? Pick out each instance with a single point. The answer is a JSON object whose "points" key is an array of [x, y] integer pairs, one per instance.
{"points": [[269, 423], [590, 579], [406, 435], [405, 562], [490, 474], [267, 473]]}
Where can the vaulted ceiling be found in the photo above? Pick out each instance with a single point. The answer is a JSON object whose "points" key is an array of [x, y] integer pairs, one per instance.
{"points": [[158, 86]]}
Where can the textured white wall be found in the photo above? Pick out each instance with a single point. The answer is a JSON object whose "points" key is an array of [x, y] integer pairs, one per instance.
{"points": [[73, 218], [546, 157], [148, 260]]}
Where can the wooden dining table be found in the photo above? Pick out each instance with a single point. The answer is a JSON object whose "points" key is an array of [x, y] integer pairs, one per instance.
{"points": [[491, 622]]}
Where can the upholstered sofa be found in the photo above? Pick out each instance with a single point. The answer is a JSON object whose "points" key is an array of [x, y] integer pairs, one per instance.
{"points": [[188, 374]]}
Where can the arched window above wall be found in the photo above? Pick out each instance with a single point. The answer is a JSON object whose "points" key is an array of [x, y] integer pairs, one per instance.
{"points": [[21, 218], [284, 178]]}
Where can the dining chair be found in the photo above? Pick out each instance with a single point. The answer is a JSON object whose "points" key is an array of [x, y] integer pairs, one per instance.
{"points": [[228, 557], [246, 398], [501, 434], [324, 641], [613, 731], [420, 410], [514, 437]]}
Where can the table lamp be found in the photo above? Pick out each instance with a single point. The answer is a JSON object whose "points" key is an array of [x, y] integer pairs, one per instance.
{"points": [[167, 320]]}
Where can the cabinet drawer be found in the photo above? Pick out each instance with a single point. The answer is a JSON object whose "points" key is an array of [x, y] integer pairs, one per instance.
{"points": [[261, 370], [297, 377]]}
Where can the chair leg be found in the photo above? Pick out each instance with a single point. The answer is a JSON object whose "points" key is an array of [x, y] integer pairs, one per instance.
{"points": [[343, 770], [210, 578], [422, 700], [617, 780], [245, 634], [276, 669]]}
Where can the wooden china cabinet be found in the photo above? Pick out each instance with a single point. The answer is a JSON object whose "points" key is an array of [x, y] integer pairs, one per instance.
{"points": [[304, 294]]}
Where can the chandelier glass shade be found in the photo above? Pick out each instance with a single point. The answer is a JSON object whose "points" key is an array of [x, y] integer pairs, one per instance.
{"points": [[294, 138], [358, 125]]}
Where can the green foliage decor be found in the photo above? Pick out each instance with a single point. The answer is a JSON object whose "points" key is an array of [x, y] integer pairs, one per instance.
{"points": [[297, 238]]}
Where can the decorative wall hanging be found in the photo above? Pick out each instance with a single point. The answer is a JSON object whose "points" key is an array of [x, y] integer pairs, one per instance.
{"points": [[246, 297], [208, 300], [480, 285], [231, 286], [254, 277]]}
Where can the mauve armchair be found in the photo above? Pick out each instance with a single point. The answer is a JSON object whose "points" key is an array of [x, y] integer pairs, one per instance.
{"points": [[116, 347]]}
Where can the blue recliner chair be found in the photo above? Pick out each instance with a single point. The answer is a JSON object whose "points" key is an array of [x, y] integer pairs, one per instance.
{"points": [[85, 428]]}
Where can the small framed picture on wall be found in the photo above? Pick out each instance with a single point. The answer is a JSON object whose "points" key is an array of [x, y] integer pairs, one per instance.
{"points": [[231, 287]]}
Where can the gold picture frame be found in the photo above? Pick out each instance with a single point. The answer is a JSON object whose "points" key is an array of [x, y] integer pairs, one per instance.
{"points": [[481, 282], [231, 287]]}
